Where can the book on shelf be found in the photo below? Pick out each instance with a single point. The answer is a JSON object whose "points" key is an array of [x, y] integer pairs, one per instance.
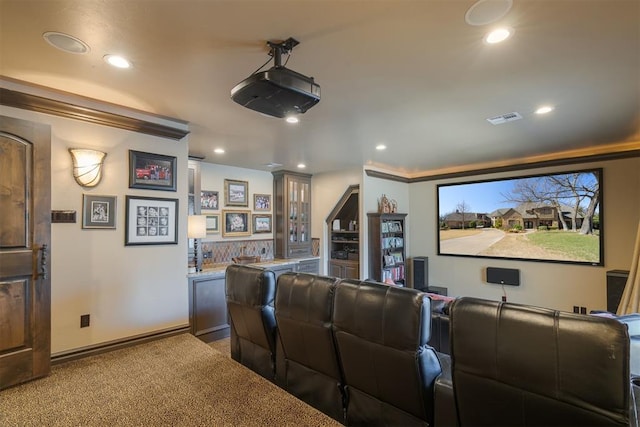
{"points": [[394, 273]]}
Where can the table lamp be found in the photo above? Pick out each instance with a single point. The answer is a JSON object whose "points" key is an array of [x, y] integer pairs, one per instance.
{"points": [[196, 229]]}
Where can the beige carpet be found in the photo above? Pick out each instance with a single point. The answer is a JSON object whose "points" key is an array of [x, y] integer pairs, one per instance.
{"points": [[177, 381], [223, 346]]}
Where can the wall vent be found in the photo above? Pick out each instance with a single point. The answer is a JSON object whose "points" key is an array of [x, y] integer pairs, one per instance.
{"points": [[504, 118]]}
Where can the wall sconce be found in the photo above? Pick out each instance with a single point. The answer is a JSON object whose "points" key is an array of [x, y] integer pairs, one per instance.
{"points": [[196, 229], [87, 166]]}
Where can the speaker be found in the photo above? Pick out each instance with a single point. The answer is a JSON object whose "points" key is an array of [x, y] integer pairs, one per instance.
{"points": [[503, 276], [616, 280], [421, 273]]}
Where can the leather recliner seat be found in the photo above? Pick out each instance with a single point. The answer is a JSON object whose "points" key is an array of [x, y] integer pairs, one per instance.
{"points": [[381, 333], [304, 311], [250, 292], [516, 365]]}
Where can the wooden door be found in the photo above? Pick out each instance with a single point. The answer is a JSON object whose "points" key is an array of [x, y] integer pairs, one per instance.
{"points": [[25, 234]]}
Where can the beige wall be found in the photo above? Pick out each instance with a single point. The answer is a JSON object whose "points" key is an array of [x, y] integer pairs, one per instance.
{"points": [[372, 191], [559, 286], [212, 178], [127, 290]]}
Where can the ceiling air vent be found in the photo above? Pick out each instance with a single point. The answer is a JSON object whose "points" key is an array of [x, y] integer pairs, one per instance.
{"points": [[504, 118]]}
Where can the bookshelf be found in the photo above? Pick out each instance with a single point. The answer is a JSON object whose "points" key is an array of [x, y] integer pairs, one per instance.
{"points": [[387, 253]]}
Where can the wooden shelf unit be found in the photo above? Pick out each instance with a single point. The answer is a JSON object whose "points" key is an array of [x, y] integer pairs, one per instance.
{"points": [[387, 254], [344, 241]]}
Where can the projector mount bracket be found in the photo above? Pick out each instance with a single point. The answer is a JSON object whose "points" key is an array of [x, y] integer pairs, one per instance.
{"points": [[277, 49]]}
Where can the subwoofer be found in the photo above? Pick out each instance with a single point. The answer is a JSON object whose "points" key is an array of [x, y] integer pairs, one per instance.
{"points": [[421, 273], [616, 280]]}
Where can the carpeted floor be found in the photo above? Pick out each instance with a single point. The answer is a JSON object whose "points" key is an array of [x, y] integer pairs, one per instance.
{"points": [[176, 381], [223, 346]]}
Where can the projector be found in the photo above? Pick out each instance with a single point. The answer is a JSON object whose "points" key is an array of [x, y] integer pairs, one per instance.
{"points": [[277, 92]]}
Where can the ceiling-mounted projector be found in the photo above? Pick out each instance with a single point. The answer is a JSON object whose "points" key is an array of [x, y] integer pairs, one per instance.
{"points": [[278, 91]]}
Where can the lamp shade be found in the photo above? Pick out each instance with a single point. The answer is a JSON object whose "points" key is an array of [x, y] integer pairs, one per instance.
{"points": [[87, 166], [197, 226]]}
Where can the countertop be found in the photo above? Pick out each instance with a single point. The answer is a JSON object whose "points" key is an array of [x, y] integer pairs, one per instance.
{"points": [[218, 270]]}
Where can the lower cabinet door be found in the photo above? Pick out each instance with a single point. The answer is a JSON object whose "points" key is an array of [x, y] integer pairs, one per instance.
{"points": [[208, 309]]}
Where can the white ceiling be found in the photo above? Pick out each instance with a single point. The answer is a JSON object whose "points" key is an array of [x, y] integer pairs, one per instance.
{"points": [[412, 75]]}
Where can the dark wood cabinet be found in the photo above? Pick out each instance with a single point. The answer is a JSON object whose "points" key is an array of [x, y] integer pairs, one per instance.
{"points": [[387, 253], [208, 308], [292, 208], [344, 269]]}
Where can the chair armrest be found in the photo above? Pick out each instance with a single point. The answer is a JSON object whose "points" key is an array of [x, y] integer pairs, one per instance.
{"points": [[444, 401]]}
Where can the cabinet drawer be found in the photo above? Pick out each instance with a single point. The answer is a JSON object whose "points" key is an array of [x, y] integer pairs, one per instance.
{"points": [[311, 266], [299, 251]]}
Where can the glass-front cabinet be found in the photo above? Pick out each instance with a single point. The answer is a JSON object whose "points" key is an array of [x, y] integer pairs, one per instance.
{"points": [[292, 194]]}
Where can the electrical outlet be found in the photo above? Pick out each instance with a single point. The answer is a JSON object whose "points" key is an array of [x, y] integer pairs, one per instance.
{"points": [[84, 320], [576, 309], [583, 310], [504, 298]]}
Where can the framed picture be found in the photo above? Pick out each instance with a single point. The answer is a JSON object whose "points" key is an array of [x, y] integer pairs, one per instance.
{"points": [[236, 193], [213, 224], [261, 223], [98, 211], [151, 221], [262, 202], [209, 200], [152, 171], [235, 223]]}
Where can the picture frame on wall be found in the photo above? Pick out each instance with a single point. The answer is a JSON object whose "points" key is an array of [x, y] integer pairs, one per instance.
{"points": [[236, 223], [152, 171], [261, 223], [209, 200], [262, 202], [213, 224], [236, 193], [99, 211], [151, 221]]}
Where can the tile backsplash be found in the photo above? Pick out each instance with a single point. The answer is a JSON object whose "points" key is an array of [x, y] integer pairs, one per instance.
{"points": [[222, 252]]}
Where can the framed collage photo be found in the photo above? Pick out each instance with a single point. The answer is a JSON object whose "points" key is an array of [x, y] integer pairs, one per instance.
{"points": [[98, 211], [262, 202], [236, 193], [261, 223], [209, 200], [151, 221], [152, 171], [236, 223]]}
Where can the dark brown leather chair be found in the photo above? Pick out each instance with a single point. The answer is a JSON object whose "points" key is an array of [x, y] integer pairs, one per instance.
{"points": [[382, 333], [304, 310], [515, 365], [250, 292]]}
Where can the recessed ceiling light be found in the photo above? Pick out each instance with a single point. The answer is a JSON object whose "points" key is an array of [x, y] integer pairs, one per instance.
{"points": [[117, 61], [301, 166], [544, 109], [66, 42], [498, 35], [381, 147], [292, 119], [219, 151]]}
